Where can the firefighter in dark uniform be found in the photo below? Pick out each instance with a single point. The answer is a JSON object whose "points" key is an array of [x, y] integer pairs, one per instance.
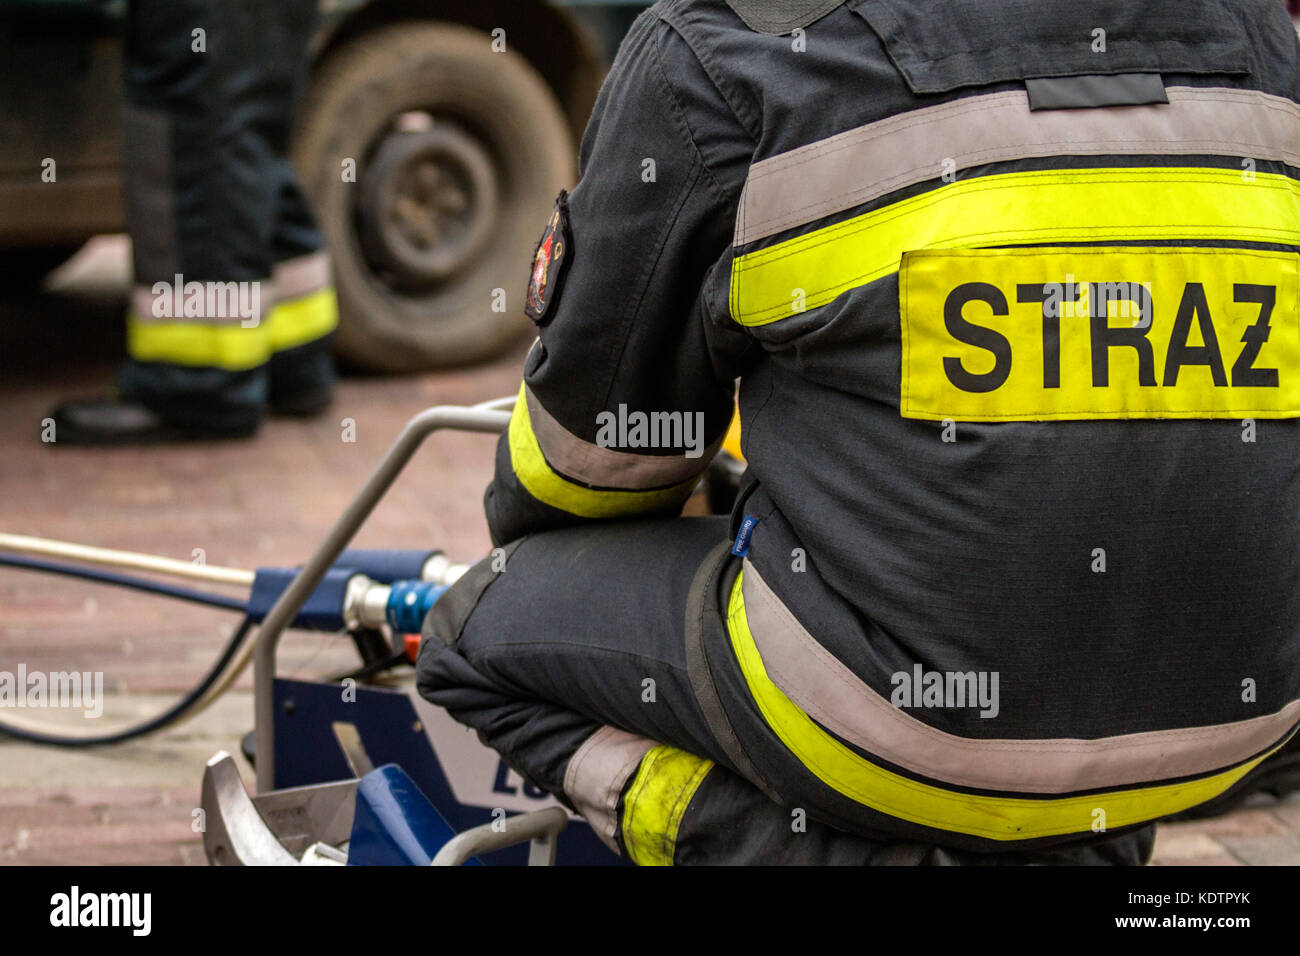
{"points": [[1010, 288], [233, 307]]}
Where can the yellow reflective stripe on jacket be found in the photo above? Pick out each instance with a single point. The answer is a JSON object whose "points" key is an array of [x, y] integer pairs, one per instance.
{"points": [[227, 346], [731, 443], [599, 466], [298, 321], [995, 818], [1014, 208], [657, 800], [546, 485]]}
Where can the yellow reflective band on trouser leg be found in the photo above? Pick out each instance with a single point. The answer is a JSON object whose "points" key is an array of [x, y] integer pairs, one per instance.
{"points": [[227, 345], [549, 487], [994, 818], [656, 801], [1059, 206], [295, 322]]}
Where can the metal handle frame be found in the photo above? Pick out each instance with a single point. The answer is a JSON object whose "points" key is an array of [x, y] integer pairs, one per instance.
{"points": [[490, 417], [540, 828]]}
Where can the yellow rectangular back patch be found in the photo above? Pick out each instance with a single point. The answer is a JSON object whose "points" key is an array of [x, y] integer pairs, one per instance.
{"points": [[1000, 335]]}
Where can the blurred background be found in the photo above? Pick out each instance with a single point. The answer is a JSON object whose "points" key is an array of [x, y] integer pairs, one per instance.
{"points": [[446, 176], [439, 178]]}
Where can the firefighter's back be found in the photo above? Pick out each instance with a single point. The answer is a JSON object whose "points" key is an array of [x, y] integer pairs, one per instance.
{"points": [[1023, 428]]}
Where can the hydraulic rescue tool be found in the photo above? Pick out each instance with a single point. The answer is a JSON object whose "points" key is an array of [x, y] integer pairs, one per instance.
{"points": [[358, 769]]}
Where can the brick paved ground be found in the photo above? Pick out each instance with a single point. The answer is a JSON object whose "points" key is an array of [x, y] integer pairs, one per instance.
{"points": [[265, 502]]}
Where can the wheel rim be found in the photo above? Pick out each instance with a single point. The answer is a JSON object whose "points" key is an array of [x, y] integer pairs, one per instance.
{"points": [[428, 204]]}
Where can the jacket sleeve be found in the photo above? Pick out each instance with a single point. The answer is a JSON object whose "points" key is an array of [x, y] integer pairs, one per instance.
{"points": [[629, 389]]}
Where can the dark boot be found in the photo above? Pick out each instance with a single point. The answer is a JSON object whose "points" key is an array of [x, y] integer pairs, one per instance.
{"points": [[116, 421]]}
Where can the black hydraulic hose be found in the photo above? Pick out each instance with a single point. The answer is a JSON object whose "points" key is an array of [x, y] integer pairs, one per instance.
{"points": [[123, 580], [147, 727], [177, 709]]}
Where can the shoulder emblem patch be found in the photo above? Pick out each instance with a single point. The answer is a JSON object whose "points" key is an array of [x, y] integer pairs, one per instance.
{"points": [[549, 263]]}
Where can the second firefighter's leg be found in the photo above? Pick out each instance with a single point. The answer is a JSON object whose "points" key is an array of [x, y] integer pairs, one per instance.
{"points": [[305, 312], [200, 206]]}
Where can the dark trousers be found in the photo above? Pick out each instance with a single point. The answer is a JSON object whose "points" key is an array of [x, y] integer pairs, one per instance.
{"points": [[212, 87], [586, 628]]}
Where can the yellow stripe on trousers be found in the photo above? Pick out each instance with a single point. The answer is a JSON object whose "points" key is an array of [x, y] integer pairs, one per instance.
{"points": [[232, 346], [656, 801], [1153, 204], [305, 319], [995, 818], [198, 344]]}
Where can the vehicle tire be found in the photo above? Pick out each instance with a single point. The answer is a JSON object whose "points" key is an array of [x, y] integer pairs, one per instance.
{"points": [[458, 154]]}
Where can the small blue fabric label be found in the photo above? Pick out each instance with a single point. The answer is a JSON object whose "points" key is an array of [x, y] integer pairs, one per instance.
{"points": [[741, 547]]}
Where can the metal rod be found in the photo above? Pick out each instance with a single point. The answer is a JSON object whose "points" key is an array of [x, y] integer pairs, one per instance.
{"points": [[126, 559], [291, 601], [540, 827]]}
